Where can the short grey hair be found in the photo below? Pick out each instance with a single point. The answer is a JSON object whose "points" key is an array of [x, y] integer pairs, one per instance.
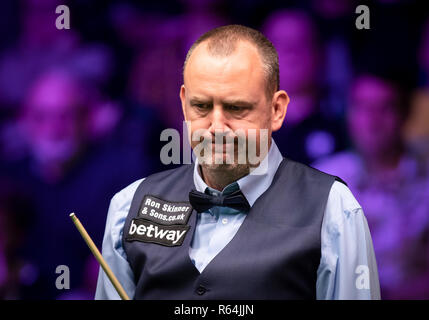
{"points": [[222, 41]]}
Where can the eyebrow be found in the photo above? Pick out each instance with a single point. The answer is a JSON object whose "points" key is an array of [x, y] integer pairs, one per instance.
{"points": [[237, 102], [197, 100]]}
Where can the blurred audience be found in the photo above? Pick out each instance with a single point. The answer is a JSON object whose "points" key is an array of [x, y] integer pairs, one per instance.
{"points": [[309, 131], [391, 184], [416, 130], [65, 172]]}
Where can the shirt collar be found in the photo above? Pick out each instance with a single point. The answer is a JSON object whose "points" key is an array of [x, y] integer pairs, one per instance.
{"points": [[252, 185]]}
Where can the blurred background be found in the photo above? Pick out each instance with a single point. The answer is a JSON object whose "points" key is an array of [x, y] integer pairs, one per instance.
{"points": [[81, 112]]}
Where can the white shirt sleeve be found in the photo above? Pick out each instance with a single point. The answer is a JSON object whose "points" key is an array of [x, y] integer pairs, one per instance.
{"points": [[112, 249], [348, 269]]}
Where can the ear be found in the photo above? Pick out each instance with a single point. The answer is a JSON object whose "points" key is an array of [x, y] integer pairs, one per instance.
{"points": [[183, 99], [280, 103]]}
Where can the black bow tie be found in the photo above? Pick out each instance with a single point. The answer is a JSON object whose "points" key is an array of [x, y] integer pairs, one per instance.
{"points": [[202, 202]]}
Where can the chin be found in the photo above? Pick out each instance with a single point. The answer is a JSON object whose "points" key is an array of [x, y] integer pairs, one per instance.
{"points": [[224, 167]]}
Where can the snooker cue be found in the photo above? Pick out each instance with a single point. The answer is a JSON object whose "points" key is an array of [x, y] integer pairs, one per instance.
{"points": [[99, 257]]}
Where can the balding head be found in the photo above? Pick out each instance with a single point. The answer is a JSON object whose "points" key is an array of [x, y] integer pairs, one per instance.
{"points": [[223, 41]]}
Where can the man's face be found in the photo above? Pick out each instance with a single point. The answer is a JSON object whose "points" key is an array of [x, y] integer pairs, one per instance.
{"points": [[222, 95], [54, 122], [373, 119], [293, 36]]}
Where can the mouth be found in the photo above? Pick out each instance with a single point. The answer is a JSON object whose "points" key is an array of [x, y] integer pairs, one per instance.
{"points": [[224, 147]]}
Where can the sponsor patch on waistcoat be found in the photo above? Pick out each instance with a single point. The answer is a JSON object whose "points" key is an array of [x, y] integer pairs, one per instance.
{"points": [[164, 212], [148, 231]]}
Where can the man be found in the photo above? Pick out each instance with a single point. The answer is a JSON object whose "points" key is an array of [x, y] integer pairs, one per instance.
{"points": [[390, 182], [288, 232]]}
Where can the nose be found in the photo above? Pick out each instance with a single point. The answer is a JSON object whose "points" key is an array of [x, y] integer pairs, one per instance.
{"points": [[218, 121]]}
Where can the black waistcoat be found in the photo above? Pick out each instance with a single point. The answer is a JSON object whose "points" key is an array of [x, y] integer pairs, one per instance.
{"points": [[274, 254]]}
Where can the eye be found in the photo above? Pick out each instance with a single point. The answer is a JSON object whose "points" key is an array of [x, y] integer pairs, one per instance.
{"points": [[201, 106], [233, 108]]}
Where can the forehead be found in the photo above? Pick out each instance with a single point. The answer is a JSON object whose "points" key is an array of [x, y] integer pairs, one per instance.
{"points": [[238, 74]]}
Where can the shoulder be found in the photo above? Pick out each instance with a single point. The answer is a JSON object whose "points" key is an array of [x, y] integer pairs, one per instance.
{"points": [[341, 195], [312, 174], [299, 167], [123, 197], [343, 211]]}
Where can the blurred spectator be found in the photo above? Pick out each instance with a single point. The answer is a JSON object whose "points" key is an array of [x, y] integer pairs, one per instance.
{"points": [[390, 183], [56, 122], [65, 173], [416, 130], [154, 79], [308, 132]]}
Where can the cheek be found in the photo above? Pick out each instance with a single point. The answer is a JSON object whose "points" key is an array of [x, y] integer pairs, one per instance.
{"points": [[198, 131], [255, 137], [198, 124], [197, 119], [259, 119]]}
